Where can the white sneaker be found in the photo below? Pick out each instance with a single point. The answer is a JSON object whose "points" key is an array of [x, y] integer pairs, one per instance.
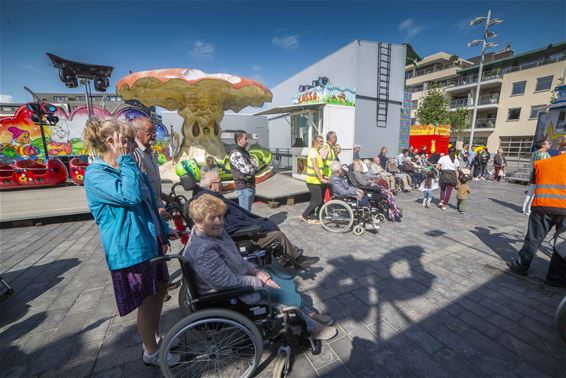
{"points": [[153, 359], [424, 201], [428, 202]]}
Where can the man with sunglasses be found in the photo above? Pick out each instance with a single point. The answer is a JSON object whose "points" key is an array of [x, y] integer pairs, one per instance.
{"points": [[146, 159]]}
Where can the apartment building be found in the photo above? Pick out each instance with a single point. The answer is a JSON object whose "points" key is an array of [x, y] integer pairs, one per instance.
{"points": [[513, 89]]}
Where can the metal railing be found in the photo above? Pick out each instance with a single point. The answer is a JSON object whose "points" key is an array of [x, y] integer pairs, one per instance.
{"points": [[483, 100], [485, 123], [488, 99], [472, 79], [460, 103], [535, 64]]}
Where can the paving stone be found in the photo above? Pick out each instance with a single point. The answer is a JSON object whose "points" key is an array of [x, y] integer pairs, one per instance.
{"points": [[418, 299]]}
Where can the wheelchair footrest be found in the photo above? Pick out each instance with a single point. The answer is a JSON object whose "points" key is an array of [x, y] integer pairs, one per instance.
{"points": [[316, 346]]}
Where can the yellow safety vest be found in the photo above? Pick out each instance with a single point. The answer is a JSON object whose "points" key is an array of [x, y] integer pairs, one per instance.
{"points": [[329, 159], [312, 178]]}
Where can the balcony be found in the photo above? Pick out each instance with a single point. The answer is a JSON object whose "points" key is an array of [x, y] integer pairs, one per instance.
{"points": [[484, 102], [483, 124], [491, 78]]}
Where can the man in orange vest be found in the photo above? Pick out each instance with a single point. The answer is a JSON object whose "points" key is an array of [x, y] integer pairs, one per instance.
{"points": [[548, 210]]}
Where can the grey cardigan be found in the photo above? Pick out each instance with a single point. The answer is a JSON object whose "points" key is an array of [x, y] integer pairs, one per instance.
{"points": [[218, 265]]}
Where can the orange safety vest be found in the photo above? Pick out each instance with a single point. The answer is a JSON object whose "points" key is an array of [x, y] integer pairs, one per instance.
{"points": [[550, 185]]}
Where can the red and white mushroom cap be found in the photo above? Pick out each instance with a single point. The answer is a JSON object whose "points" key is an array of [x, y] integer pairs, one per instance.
{"points": [[178, 88]]}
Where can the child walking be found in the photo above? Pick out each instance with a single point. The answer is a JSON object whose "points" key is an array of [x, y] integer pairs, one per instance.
{"points": [[462, 195], [429, 184]]}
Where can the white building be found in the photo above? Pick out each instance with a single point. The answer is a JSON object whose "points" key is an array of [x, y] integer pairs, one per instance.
{"points": [[375, 71]]}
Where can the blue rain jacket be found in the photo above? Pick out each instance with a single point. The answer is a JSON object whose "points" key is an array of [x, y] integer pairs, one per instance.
{"points": [[115, 198]]}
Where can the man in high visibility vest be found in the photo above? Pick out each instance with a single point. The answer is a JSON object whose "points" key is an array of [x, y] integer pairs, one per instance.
{"points": [[548, 210], [328, 153]]}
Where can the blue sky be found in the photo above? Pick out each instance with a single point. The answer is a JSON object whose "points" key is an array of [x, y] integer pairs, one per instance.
{"points": [[267, 41]]}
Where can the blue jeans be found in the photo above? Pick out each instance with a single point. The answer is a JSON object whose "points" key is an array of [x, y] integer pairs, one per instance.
{"points": [[427, 194], [246, 198]]}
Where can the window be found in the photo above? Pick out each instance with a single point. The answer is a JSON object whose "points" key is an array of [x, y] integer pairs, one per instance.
{"points": [[413, 121], [544, 83], [516, 147], [514, 114], [60, 98], [518, 88], [535, 110], [560, 125], [415, 104]]}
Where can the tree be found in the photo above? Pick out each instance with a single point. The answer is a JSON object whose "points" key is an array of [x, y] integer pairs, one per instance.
{"points": [[434, 108], [459, 120]]}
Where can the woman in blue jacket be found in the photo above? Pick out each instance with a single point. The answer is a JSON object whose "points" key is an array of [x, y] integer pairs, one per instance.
{"points": [[132, 232]]}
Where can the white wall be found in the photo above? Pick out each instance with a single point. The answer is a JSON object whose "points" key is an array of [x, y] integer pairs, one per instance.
{"points": [[367, 134], [352, 66]]}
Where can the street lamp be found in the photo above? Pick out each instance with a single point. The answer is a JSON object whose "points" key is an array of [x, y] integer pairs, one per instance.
{"points": [[485, 45]]}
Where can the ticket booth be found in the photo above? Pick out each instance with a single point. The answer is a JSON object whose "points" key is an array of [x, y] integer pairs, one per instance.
{"points": [[316, 112]]}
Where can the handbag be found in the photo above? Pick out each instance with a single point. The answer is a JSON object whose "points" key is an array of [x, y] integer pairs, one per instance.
{"points": [[448, 177]]}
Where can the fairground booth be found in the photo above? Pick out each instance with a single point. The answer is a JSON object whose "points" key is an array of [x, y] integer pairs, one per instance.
{"points": [[356, 91]]}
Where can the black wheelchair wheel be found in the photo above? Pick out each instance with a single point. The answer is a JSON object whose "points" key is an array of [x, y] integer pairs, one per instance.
{"points": [[212, 343], [336, 216], [184, 299], [282, 363], [560, 319]]}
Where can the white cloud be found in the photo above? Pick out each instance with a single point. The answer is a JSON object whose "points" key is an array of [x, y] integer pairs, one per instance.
{"points": [[6, 98], [202, 50], [288, 42], [410, 29], [31, 67]]}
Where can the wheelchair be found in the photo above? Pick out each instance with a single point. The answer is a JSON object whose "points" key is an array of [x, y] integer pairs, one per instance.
{"points": [[222, 336], [342, 213], [177, 205]]}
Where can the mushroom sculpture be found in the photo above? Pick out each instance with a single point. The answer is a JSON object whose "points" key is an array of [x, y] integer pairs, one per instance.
{"points": [[199, 98]]}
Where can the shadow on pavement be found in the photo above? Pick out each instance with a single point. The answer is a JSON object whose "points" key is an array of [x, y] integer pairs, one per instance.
{"points": [[508, 205], [405, 321]]}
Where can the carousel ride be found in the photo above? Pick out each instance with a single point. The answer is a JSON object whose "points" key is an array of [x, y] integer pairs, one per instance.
{"points": [[201, 100]]}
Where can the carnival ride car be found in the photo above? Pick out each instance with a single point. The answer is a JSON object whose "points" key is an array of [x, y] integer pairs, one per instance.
{"points": [[31, 173], [77, 169], [261, 155]]}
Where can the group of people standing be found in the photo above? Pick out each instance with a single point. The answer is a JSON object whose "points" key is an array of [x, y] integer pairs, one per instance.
{"points": [[123, 190]]}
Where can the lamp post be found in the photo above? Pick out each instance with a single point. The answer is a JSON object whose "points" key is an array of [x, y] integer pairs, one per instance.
{"points": [[485, 45]]}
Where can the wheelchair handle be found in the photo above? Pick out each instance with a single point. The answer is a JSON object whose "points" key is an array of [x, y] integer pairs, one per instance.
{"points": [[181, 258]]}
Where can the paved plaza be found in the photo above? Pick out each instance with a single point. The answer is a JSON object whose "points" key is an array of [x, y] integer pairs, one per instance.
{"points": [[425, 297]]}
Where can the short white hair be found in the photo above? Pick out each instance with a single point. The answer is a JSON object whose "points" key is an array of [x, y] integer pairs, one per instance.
{"points": [[335, 166]]}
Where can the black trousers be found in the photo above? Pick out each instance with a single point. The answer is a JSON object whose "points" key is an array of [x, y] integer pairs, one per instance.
{"points": [[316, 200], [288, 248], [539, 226]]}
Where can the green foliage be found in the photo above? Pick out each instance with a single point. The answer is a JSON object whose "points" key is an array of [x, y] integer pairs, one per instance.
{"points": [[459, 120], [433, 108]]}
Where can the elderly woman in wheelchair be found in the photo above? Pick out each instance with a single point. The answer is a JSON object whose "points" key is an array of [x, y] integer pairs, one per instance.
{"points": [[234, 307], [348, 205]]}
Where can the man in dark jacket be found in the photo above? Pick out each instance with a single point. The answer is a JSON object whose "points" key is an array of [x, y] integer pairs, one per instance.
{"points": [[243, 169], [236, 218]]}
